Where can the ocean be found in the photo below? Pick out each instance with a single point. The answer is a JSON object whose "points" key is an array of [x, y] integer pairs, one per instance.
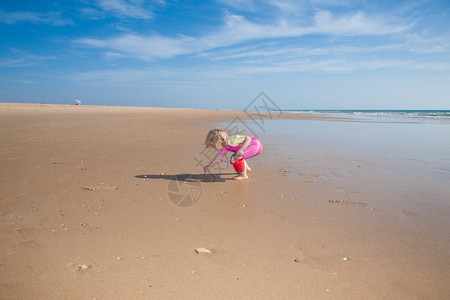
{"points": [[411, 144], [419, 138], [382, 115]]}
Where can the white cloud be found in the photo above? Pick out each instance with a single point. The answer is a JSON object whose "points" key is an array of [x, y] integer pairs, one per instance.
{"points": [[236, 30], [144, 48], [356, 24]]}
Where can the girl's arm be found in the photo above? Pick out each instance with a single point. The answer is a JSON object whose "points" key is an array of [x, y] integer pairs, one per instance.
{"points": [[244, 146], [212, 163]]}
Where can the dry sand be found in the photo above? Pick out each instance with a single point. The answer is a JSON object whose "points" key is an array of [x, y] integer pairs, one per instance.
{"points": [[88, 211]]}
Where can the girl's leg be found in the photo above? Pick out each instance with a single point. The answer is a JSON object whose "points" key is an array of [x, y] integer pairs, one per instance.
{"points": [[252, 150], [247, 167], [241, 175]]}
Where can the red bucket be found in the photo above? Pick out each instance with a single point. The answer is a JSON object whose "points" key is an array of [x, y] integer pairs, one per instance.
{"points": [[239, 165]]}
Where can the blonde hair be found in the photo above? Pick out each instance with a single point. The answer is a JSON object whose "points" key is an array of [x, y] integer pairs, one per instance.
{"points": [[215, 135]]}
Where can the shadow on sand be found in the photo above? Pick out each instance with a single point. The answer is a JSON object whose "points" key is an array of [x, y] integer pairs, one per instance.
{"points": [[216, 177]]}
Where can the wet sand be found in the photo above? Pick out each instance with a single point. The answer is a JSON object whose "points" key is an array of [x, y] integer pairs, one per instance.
{"points": [[111, 203]]}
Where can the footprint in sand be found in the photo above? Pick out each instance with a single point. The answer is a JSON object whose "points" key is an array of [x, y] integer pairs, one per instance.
{"points": [[102, 186], [322, 263], [347, 202], [407, 213]]}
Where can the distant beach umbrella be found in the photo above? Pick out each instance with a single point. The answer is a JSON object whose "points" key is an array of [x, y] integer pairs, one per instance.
{"points": [[78, 101]]}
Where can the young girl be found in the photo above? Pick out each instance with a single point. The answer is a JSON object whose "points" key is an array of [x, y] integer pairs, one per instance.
{"points": [[242, 145]]}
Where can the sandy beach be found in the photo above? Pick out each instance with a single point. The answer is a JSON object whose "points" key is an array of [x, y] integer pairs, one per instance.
{"points": [[112, 203]]}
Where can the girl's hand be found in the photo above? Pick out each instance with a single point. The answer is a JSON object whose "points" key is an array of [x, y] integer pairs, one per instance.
{"points": [[206, 169], [239, 153]]}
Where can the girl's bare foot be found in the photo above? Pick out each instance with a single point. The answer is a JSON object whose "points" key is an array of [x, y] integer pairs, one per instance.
{"points": [[241, 176], [247, 168]]}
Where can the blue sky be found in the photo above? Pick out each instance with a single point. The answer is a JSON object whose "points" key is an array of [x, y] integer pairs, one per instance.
{"points": [[314, 54]]}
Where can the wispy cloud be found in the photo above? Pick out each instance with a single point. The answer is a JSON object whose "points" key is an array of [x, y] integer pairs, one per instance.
{"points": [[243, 5], [356, 24], [241, 71], [419, 44], [340, 65], [236, 30], [6, 79], [53, 18], [20, 59], [127, 9], [289, 6], [136, 77], [142, 47], [279, 52]]}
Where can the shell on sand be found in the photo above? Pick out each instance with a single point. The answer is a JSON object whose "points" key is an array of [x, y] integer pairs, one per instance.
{"points": [[203, 251]]}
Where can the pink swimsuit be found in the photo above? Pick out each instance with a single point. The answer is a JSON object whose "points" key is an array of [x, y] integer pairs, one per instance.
{"points": [[253, 149]]}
